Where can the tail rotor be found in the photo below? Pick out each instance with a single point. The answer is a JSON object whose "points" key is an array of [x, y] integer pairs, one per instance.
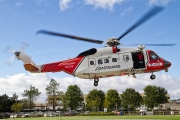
{"points": [[15, 53]]}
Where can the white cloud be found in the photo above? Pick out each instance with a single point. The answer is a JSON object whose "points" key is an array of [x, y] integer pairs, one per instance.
{"points": [[105, 4], [40, 2], [20, 82], [19, 4], [159, 2], [64, 4], [127, 11]]}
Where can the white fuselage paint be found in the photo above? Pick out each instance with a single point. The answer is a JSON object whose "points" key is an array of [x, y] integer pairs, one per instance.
{"points": [[124, 64]]}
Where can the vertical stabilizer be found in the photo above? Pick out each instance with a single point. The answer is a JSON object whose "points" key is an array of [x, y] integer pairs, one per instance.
{"points": [[29, 65]]}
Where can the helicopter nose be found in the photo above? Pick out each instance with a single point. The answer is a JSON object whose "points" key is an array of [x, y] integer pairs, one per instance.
{"points": [[167, 64]]}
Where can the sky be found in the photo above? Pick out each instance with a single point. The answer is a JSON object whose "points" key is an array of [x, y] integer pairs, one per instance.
{"points": [[98, 19]]}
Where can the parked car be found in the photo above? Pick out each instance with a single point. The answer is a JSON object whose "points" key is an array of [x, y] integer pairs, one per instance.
{"points": [[4, 115], [71, 113], [51, 114], [34, 114], [25, 114], [143, 111], [116, 112], [16, 115], [1, 115]]}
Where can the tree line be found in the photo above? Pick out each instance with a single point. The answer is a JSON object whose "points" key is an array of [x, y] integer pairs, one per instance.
{"points": [[96, 100]]}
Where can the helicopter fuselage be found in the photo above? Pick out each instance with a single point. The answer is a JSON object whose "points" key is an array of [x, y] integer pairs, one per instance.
{"points": [[106, 62]]}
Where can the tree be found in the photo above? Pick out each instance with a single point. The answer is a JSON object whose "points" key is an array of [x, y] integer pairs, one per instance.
{"points": [[31, 95], [95, 99], [131, 98], [106, 104], [74, 97], [5, 103], [14, 97], [162, 98], [113, 99], [154, 96], [24, 103], [52, 92], [62, 95], [16, 107]]}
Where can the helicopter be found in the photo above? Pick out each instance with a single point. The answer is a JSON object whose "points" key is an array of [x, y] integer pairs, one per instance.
{"points": [[108, 61]]}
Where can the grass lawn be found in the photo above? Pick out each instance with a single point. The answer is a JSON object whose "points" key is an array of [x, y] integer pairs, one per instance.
{"points": [[155, 117]]}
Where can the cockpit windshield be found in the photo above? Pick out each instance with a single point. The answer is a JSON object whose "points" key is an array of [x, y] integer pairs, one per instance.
{"points": [[153, 56]]}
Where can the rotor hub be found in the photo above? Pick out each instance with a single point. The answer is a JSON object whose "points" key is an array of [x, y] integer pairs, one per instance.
{"points": [[17, 54], [112, 42]]}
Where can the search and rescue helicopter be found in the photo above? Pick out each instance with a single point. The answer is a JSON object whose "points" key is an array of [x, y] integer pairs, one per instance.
{"points": [[104, 62]]}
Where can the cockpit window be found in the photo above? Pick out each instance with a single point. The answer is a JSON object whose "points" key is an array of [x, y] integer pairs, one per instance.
{"points": [[153, 56]]}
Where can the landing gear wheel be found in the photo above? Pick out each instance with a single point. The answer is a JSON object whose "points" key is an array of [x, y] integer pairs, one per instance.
{"points": [[152, 77], [133, 75], [95, 83], [96, 80]]}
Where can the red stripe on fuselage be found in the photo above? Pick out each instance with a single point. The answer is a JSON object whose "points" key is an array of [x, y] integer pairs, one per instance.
{"points": [[51, 67], [71, 65]]}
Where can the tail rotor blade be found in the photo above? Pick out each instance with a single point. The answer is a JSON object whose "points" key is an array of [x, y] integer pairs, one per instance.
{"points": [[15, 53], [9, 49], [11, 60], [24, 45]]}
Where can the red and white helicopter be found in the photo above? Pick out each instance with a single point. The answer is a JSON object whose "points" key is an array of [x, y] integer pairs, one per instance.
{"points": [[104, 62]]}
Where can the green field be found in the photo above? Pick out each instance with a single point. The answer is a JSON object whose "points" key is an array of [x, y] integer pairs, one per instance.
{"points": [[157, 117]]}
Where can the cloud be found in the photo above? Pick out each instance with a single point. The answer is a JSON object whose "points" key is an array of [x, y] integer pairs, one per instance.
{"points": [[105, 4], [19, 4], [127, 10], [42, 3], [159, 2], [20, 82], [64, 4]]}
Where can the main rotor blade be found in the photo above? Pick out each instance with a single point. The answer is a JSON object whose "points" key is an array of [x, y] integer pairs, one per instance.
{"points": [[70, 36], [143, 19], [170, 45]]}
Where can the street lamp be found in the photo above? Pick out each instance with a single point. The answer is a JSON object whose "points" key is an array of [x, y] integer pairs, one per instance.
{"points": [[129, 108], [116, 106]]}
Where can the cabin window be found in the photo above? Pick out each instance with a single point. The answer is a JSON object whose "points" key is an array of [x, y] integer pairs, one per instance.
{"points": [[100, 61], [114, 59], [153, 56], [106, 60], [126, 58], [91, 62]]}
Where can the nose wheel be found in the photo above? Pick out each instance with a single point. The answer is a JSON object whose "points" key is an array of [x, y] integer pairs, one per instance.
{"points": [[133, 75], [96, 80], [152, 77]]}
